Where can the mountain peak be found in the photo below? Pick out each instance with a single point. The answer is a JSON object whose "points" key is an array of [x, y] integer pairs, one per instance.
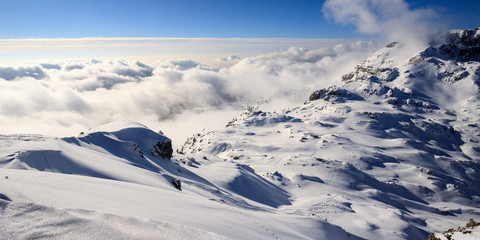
{"points": [[456, 45]]}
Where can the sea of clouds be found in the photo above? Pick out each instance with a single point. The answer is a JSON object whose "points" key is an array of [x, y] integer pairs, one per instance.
{"points": [[183, 96], [60, 99]]}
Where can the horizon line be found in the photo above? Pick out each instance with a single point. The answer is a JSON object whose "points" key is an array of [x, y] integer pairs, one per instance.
{"points": [[162, 38]]}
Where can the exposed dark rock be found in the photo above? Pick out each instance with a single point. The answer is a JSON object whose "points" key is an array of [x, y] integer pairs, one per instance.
{"points": [[459, 45], [163, 149], [432, 237], [333, 94], [177, 183], [392, 44], [467, 230]]}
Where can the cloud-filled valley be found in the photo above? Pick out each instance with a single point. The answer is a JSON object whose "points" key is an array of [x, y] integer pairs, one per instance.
{"points": [[63, 99]]}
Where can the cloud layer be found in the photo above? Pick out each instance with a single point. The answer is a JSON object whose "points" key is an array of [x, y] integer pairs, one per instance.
{"points": [[64, 99], [392, 19], [212, 51]]}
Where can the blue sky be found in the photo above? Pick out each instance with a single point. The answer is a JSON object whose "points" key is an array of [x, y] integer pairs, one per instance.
{"points": [[35, 31], [196, 18]]}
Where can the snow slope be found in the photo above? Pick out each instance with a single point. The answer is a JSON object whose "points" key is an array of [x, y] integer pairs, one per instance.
{"points": [[389, 151], [112, 182]]}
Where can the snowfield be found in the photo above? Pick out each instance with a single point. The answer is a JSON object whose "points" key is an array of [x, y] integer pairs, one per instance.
{"points": [[110, 183], [388, 151]]}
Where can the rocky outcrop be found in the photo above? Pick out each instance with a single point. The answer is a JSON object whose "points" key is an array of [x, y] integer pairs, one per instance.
{"points": [[470, 231], [163, 149], [333, 94], [458, 45]]}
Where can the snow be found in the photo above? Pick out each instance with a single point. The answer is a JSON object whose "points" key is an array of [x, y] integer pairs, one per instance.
{"points": [[30, 221], [388, 151], [116, 126], [98, 176], [470, 232], [393, 143], [461, 236], [38, 194]]}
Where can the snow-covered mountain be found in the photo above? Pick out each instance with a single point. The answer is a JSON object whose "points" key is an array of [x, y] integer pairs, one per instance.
{"points": [[389, 151], [119, 181]]}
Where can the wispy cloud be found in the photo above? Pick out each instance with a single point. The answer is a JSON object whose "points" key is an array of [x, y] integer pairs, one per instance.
{"points": [[392, 19]]}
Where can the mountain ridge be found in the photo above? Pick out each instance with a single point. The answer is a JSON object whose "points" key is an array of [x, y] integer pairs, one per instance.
{"points": [[403, 128]]}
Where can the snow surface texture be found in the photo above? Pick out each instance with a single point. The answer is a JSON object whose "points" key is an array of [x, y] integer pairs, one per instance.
{"points": [[391, 151], [388, 151], [116, 183]]}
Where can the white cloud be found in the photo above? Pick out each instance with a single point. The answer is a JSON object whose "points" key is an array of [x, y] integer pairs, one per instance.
{"points": [[72, 66], [182, 64], [66, 98], [392, 19], [148, 50], [229, 58], [12, 73]]}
